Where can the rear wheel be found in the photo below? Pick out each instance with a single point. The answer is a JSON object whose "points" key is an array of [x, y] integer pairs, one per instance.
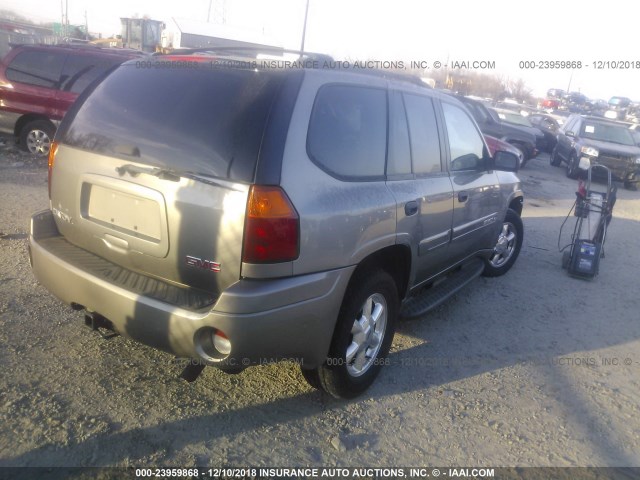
{"points": [[572, 166], [36, 137], [507, 246], [554, 159], [362, 337]]}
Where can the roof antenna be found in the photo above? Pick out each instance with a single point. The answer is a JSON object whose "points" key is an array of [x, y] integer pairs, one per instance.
{"points": [[304, 29]]}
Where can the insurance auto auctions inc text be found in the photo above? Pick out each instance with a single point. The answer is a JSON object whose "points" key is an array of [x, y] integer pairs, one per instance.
{"points": [[375, 472]]}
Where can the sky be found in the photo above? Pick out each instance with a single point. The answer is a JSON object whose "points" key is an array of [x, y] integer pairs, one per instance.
{"points": [[501, 31]]}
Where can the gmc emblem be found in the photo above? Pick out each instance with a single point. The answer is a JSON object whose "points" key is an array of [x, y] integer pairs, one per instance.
{"points": [[203, 264]]}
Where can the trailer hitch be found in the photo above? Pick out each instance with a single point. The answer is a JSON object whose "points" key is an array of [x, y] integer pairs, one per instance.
{"points": [[97, 323]]}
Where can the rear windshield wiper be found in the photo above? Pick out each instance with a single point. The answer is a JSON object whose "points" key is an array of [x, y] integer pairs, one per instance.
{"points": [[162, 173], [168, 174]]}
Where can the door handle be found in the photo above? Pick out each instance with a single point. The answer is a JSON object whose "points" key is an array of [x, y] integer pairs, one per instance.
{"points": [[411, 208], [463, 196]]}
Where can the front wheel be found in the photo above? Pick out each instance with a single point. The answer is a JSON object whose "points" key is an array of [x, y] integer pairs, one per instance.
{"points": [[507, 246], [572, 166], [361, 339], [554, 159]]}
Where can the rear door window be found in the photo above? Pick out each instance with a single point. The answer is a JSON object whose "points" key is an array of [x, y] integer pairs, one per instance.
{"points": [[423, 129], [37, 68], [198, 120], [348, 131], [399, 158]]}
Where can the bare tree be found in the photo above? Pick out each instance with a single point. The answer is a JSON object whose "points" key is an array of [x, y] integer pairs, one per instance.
{"points": [[519, 90]]}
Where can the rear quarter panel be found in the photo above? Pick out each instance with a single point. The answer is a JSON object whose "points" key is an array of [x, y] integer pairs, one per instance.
{"points": [[341, 222]]}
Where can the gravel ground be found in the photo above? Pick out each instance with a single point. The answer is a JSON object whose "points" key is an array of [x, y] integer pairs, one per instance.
{"points": [[531, 369]]}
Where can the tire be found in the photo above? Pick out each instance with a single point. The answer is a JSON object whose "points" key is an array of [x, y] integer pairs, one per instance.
{"points": [[36, 137], [572, 166], [507, 248], [358, 348], [633, 186], [312, 377], [554, 159]]}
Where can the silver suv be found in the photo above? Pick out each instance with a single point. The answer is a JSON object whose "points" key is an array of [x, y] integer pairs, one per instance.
{"points": [[236, 216]]}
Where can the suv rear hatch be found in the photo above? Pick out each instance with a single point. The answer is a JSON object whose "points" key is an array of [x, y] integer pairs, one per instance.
{"points": [[153, 168]]}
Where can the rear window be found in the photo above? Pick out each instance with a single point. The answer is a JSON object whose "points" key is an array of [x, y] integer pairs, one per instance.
{"points": [[34, 67], [204, 121]]}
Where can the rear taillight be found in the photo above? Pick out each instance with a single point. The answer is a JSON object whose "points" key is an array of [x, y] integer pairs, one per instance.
{"points": [[52, 158], [271, 228]]}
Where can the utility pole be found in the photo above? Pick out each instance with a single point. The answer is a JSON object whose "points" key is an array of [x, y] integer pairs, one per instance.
{"points": [[62, 19], [86, 26], [304, 28], [209, 12]]}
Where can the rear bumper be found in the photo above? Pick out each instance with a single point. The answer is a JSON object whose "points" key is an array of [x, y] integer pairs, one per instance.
{"points": [[8, 121], [265, 320]]}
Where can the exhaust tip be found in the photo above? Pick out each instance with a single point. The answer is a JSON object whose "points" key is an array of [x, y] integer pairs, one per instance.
{"points": [[212, 345]]}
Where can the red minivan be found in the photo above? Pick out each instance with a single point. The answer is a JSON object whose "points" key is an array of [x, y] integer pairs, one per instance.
{"points": [[38, 84]]}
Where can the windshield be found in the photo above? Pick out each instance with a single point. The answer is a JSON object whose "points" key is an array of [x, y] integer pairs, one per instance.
{"points": [[512, 117], [607, 133], [204, 121]]}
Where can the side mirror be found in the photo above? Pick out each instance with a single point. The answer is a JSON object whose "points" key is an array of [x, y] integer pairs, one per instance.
{"points": [[505, 161]]}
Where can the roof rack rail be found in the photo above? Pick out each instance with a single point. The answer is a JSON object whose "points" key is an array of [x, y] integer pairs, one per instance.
{"points": [[244, 50], [79, 46], [328, 60], [391, 75]]}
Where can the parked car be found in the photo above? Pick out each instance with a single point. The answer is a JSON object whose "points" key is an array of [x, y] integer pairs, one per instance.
{"points": [[490, 124], [618, 108], [596, 107], [267, 214], [574, 102], [549, 104], [38, 84], [549, 126], [609, 143]]}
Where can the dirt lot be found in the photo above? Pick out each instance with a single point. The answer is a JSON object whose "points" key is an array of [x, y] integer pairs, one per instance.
{"points": [[530, 369]]}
